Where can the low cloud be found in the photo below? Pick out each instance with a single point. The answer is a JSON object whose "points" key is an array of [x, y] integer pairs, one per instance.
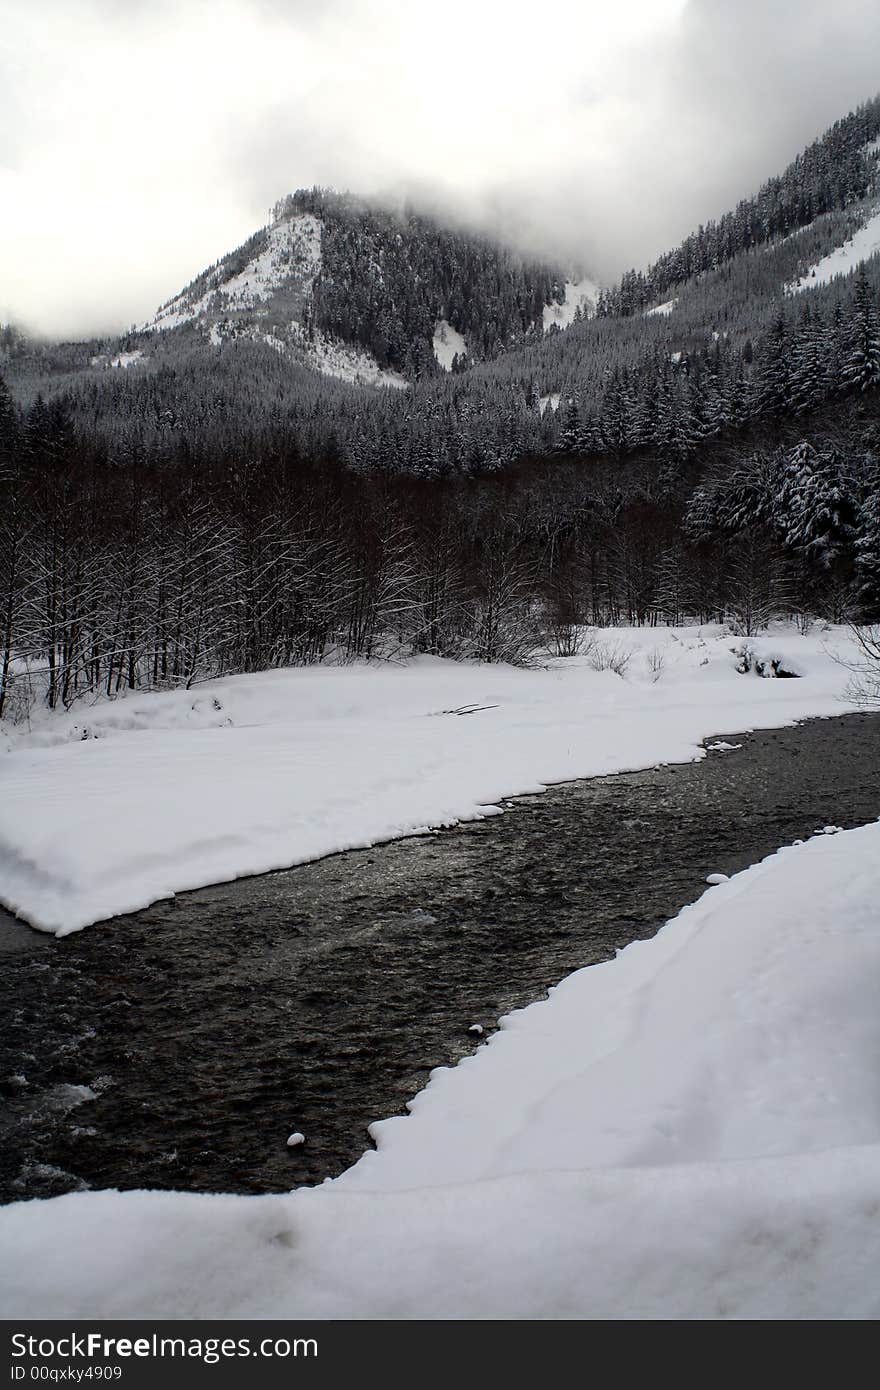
{"points": [[141, 142]]}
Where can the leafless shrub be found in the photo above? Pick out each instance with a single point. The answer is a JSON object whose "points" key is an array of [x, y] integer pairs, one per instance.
{"points": [[569, 639], [610, 656], [864, 684], [19, 701], [655, 659], [757, 587]]}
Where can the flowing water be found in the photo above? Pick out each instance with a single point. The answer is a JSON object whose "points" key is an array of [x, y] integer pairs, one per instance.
{"points": [[179, 1046]]}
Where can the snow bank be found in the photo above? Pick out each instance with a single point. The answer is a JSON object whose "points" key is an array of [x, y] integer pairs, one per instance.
{"points": [[580, 294], [860, 247], [664, 309], [292, 250], [293, 246], [108, 809], [447, 342], [322, 353], [344, 361], [688, 1131], [123, 359]]}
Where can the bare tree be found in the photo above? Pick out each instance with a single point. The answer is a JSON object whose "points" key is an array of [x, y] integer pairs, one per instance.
{"points": [[864, 683]]}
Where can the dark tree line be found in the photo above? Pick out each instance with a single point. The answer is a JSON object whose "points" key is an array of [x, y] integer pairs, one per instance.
{"points": [[118, 571], [672, 403], [624, 390]]}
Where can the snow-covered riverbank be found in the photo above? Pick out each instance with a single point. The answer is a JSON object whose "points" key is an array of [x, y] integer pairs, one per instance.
{"points": [[109, 808], [688, 1131]]}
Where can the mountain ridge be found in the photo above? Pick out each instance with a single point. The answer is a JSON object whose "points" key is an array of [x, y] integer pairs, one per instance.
{"points": [[293, 330], [372, 295]]}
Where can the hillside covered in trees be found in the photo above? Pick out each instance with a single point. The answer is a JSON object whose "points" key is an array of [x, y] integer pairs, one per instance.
{"points": [[201, 498]]}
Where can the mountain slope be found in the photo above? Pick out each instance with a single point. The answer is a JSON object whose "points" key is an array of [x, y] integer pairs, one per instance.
{"points": [[279, 339], [372, 296], [833, 173]]}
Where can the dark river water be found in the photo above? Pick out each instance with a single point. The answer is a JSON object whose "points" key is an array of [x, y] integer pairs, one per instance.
{"points": [[180, 1046]]}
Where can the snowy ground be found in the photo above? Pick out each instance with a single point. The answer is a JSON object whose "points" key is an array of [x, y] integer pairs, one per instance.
{"points": [[447, 343], [107, 809], [689, 1131], [864, 244], [344, 361], [292, 250], [580, 294], [664, 309]]}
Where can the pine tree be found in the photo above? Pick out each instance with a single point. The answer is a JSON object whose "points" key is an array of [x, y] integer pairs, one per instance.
{"points": [[808, 379], [774, 372], [861, 369], [867, 547]]}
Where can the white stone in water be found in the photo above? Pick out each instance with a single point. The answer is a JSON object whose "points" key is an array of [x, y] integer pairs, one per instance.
{"points": [[295, 1139], [476, 1029], [718, 878]]}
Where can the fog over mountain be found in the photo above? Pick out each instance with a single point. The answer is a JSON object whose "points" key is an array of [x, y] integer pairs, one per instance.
{"points": [[138, 143]]}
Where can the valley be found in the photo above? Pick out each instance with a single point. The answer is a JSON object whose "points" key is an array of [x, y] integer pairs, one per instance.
{"points": [[439, 741]]}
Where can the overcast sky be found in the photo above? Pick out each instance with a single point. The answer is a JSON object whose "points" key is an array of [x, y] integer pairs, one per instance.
{"points": [[142, 139]]}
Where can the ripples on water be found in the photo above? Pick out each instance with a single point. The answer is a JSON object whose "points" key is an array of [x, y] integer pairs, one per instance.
{"points": [[178, 1047]]}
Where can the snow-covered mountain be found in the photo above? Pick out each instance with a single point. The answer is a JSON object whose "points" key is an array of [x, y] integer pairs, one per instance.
{"points": [[506, 358], [371, 296], [845, 258], [268, 300], [290, 255]]}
